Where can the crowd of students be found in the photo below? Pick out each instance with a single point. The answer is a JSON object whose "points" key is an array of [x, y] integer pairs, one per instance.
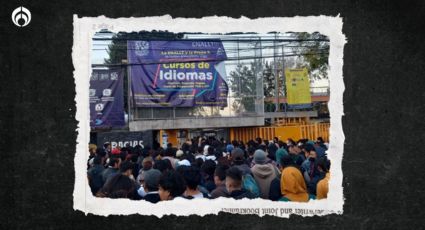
{"points": [[207, 168]]}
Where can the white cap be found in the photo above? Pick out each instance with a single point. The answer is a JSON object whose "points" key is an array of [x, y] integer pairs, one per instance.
{"points": [[179, 153]]}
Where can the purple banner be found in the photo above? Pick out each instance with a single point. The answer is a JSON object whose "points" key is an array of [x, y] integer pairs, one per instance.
{"points": [[107, 99], [177, 73]]}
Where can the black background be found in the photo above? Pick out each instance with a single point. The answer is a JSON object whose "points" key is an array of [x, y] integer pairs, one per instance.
{"points": [[384, 109]]}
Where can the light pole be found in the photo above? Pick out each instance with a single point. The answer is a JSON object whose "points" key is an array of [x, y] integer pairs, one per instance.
{"points": [[275, 74]]}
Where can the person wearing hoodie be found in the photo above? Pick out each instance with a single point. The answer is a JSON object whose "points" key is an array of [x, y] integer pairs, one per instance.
{"points": [[321, 143], [321, 152], [297, 154], [210, 153], [310, 171], [292, 186], [323, 185], [238, 160], [234, 184], [263, 173], [280, 152], [306, 148]]}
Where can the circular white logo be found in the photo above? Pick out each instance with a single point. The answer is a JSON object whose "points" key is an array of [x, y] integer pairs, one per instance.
{"points": [[141, 48], [98, 107], [21, 16], [107, 92]]}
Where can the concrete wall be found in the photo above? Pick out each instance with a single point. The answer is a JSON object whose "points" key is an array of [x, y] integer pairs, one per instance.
{"points": [[194, 123]]}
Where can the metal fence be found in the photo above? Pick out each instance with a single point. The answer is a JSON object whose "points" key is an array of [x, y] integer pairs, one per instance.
{"points": [[296, 132], [246, 73]]}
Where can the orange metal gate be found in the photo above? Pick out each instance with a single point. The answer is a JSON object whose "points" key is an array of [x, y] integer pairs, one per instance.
{"points": [[296, 132]]}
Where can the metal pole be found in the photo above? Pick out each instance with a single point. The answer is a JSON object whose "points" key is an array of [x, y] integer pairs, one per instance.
{"points": [[276, 86], [260, 81], [128, 94], [283, 72], [239, 77]]}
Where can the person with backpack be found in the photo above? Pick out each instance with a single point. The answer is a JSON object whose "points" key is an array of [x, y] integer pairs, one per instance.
{"points": [[263, 173], [248, 181], [234, 184]]}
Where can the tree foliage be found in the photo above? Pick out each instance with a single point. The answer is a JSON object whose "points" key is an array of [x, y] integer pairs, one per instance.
{"points": [[315, 54], [243, 83]]}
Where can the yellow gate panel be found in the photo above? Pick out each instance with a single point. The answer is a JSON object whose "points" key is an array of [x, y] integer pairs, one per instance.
{"points": [[285, 132], [296, 132]]}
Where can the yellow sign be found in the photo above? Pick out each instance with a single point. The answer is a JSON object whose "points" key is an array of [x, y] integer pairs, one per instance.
{"points": [[297, 86]]}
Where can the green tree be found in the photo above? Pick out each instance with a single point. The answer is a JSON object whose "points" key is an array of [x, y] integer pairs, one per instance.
{"points": [[243, 84], [268, 79], [309, 50], [314, 50]]}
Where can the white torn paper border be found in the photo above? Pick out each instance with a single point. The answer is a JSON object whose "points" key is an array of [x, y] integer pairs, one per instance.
{"points": [[84, 30]]}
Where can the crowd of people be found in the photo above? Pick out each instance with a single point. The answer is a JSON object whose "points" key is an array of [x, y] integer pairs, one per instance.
{"points": [[208, 168]]}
